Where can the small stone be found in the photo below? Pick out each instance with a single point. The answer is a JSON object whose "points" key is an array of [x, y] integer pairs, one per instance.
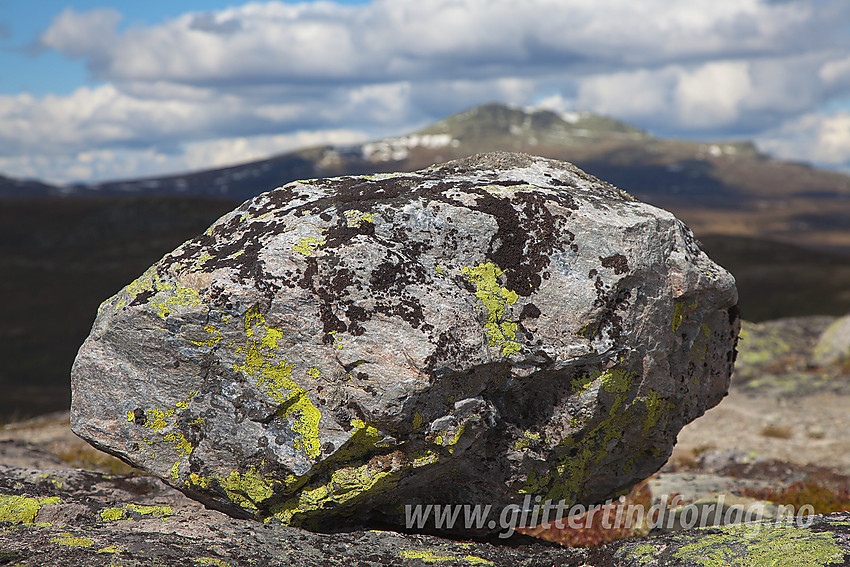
{"points": [[816, 431]]}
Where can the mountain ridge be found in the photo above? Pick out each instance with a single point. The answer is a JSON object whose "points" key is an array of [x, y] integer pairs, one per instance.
{"points": [[489, 127], [724, 187]]}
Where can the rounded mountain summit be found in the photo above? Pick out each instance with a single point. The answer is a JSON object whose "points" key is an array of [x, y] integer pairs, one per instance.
{"points": [[478, 332]]}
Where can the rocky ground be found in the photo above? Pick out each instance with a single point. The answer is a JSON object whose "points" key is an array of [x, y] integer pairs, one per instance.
{"points": [[781, 408], [781, 435]]}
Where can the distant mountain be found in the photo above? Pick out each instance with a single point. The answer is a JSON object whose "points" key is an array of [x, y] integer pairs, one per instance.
{"points": [[25, 188], [716, 187]]}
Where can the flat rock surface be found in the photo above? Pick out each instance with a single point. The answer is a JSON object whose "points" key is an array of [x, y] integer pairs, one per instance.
{"points": [[806, 430], [69, 517]]}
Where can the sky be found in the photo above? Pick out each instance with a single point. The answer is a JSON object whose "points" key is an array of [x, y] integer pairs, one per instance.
{"points": [[93, 91]]}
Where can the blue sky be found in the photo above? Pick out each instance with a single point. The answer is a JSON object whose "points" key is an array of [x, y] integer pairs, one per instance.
{"points": [[50, 72], [26, 67], [104, 90]]}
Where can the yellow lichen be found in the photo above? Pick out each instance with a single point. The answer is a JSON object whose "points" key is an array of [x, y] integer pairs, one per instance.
{"points": [[587, 448], [644, 553], [247, 489], [680, 313], [180, 442], [22, 509], [495, 298], [49, 478], [180, 296], [198, 480], [167, 295], [655, 407], [306, 246], [449, 440], [427, 458], [274, 377], [746, 545], [524, 441], [209, 342], [211, 561], [361, 442], [71, 541], [112, 514], [427, 556], [355, 219], [476, 560], [347, 485], [158, 420], [110, 549]]}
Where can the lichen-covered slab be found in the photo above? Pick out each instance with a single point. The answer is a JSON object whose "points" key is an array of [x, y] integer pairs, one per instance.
{"points": [[474, 333], [810, 541], [70, 518]]}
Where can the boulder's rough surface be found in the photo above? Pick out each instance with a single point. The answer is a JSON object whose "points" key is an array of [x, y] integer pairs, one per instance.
{"points": [[478, 332]]}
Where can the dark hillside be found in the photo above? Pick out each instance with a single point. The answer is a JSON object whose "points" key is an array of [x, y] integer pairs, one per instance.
{"points": [[60, 257]]}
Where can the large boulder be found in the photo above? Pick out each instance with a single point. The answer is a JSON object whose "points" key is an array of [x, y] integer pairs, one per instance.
{"points": [[486, 331]]}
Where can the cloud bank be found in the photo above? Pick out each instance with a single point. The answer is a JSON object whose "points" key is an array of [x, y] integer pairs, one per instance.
{"points": [[214, 88]]}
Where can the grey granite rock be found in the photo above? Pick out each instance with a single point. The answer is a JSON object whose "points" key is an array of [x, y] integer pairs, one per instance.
{"points": [[480, 332], [833, 346]]}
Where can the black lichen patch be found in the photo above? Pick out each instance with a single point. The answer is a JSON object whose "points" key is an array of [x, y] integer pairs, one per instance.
{"points": [[529, 311], [341, 233], [389, 283], [447, 350], [139, 417], [617, 262], [609, 301], [526, 234], [358, 189], [143, 297]]}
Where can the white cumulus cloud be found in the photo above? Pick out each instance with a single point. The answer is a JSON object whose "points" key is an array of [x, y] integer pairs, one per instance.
{"points": [[240, 78], [823, 139]]}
